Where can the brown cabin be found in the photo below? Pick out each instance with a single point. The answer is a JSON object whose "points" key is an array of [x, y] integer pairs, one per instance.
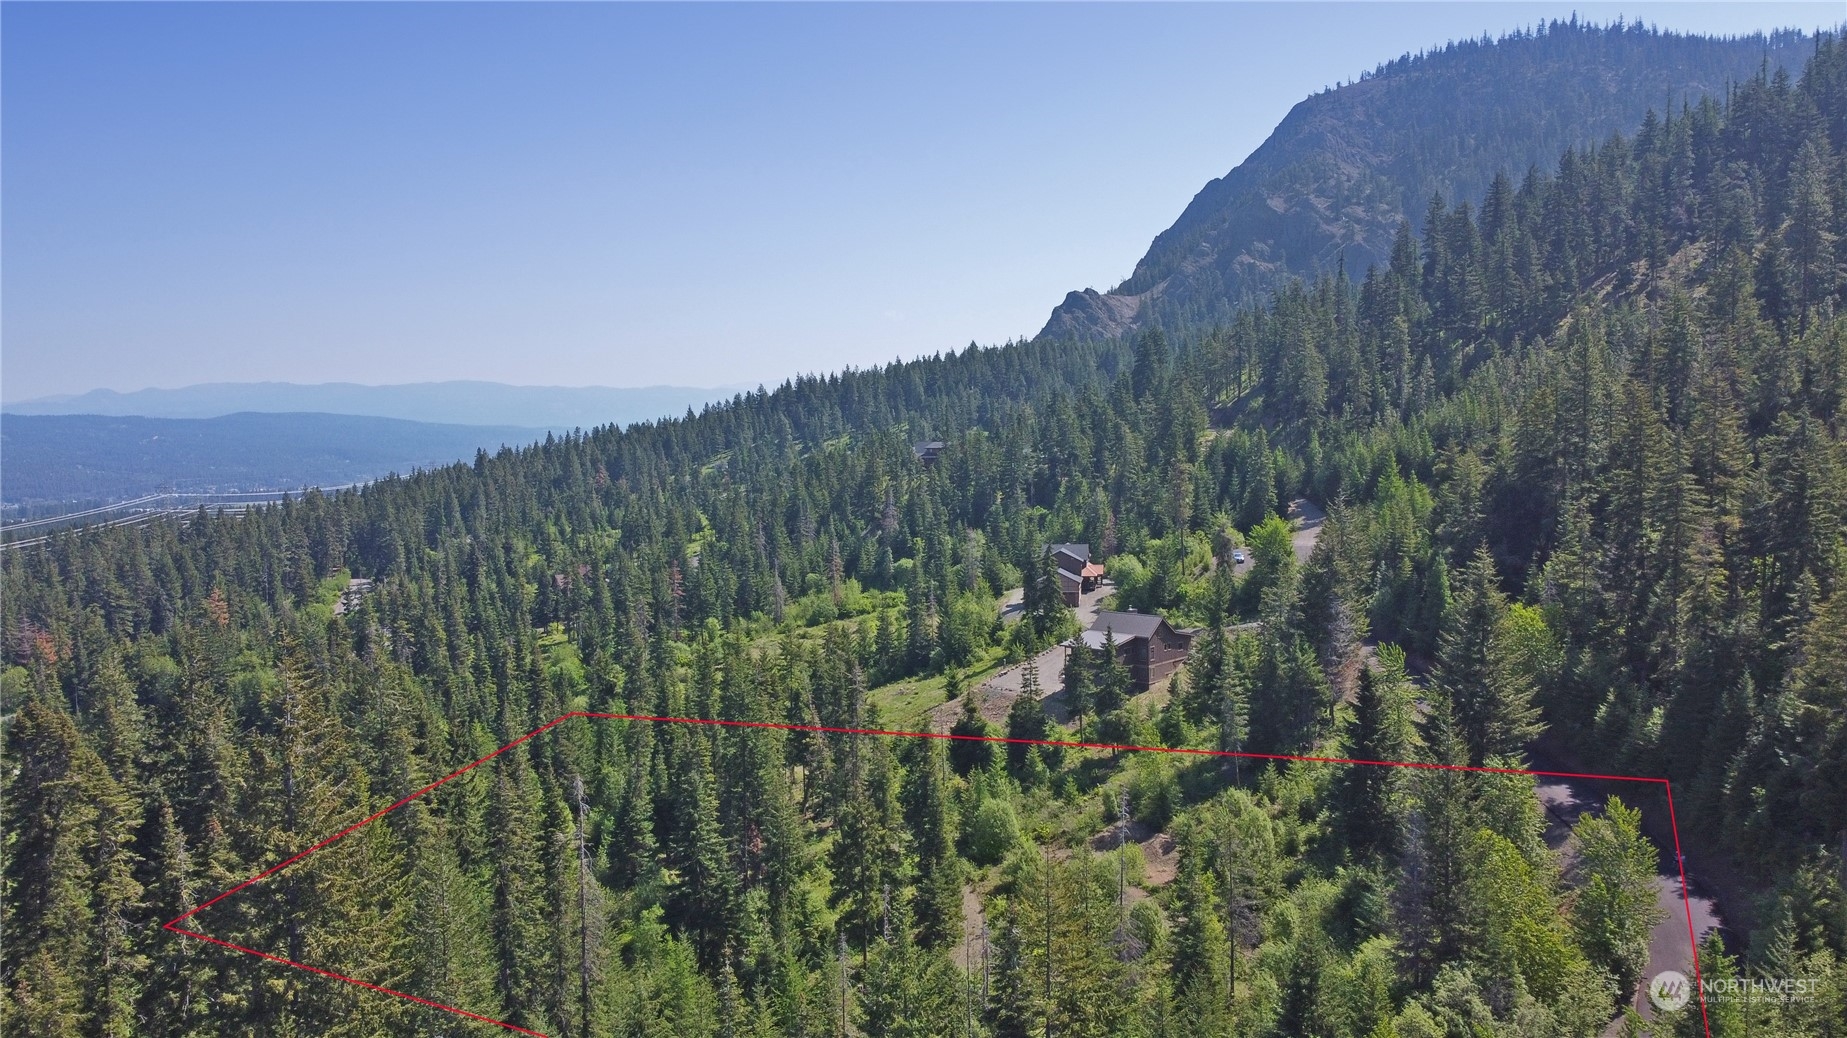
{"points": [[929, 451], [1145, 643], [1077, 575]]}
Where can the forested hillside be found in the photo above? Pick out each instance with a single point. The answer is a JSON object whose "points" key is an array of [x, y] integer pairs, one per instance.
{"points": [[1582, 451], [1331, 184]]}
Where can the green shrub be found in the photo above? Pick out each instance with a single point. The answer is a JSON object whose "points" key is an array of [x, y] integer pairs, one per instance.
{"points": [[994, 832]]}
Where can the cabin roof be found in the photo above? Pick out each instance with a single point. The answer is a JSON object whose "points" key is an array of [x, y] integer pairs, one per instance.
{"points": [[1126, 625]]}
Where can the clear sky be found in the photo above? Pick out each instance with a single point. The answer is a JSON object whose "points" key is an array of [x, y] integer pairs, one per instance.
{"points": [[627, 194]]}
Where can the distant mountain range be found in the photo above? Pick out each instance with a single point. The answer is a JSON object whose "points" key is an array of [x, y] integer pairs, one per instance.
{"points": [[1344, 168], [53, 463], [558, 408]]}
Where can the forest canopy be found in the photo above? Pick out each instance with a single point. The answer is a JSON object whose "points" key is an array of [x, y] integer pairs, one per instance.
{"points": [[1581, 452]]}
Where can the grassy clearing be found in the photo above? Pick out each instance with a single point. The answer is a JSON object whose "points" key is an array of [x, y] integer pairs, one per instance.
{"points": [[906, 704]]}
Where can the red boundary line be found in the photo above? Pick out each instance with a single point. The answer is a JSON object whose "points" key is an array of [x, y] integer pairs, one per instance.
{"points": [[173, 924]]}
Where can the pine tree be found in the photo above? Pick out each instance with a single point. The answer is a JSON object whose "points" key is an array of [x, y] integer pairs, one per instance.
{"points": [[587, 912], [1234, 718], [119, 964], [1201, 961], [631, 844], [1149, 367], [1811, 236], [909, 992], [1113, 682], [1026, 720], [169, 1005], [859, 858], [932, 827], [1493, 700], [518, 920], [1333, 594], [1307, 1003], [920, 622], [53, 823], [1431, 911], [1043, 607], [756, 812], [1369, 795], [970, 751], [1080, 679], [343, 906], [704, 900], [1204, 666], [1057, 972], [450, 926]]}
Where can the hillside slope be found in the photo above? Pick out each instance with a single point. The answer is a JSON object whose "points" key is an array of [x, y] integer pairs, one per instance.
{"points": [[1344, 168]]}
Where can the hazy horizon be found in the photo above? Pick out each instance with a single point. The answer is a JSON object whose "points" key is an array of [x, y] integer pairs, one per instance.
{"points": [[6, 400], [452, 402]]}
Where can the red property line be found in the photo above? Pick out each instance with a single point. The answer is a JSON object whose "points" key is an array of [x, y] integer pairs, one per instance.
{"points": [[173, 924]]}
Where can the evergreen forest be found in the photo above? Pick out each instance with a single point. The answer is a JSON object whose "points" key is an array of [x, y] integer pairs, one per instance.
{"points": [[1580, 448]]}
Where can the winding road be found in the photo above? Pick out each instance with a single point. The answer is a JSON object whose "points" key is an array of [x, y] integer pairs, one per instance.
{"points": [[1669, 948]]}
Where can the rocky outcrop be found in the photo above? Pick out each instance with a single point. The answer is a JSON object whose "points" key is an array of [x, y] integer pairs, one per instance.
{"points": [[1333, 183], [1093, 315]]}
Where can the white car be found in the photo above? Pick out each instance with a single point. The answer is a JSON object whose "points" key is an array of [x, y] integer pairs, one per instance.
{"points": [[1237, 556]]}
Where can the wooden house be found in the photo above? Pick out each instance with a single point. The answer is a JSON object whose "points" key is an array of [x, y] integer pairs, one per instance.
{"points": [[1077, 575], [1145, 643]]}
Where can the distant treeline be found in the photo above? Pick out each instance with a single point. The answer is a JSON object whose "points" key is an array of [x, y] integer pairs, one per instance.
{"points": [[53, 459]]}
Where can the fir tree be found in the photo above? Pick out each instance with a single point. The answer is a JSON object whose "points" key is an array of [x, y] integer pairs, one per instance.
{"points": [[1491, 697], [970, 751], [1369, 795]]}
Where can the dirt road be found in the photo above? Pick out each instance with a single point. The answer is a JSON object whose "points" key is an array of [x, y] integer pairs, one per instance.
{"points": [[1669, 948], [998, 692], [1306, 517]]}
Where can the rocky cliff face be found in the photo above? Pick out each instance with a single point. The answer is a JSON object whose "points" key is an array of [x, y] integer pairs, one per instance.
{"points": [[1341, 172], [1091, 314]]}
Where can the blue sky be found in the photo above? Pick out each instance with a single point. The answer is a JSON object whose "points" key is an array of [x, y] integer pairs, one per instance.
{"points": [[626, 194]]}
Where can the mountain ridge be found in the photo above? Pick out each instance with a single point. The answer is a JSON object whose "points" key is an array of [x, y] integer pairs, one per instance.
{"points": [[450, 402], [1333, 182]]}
